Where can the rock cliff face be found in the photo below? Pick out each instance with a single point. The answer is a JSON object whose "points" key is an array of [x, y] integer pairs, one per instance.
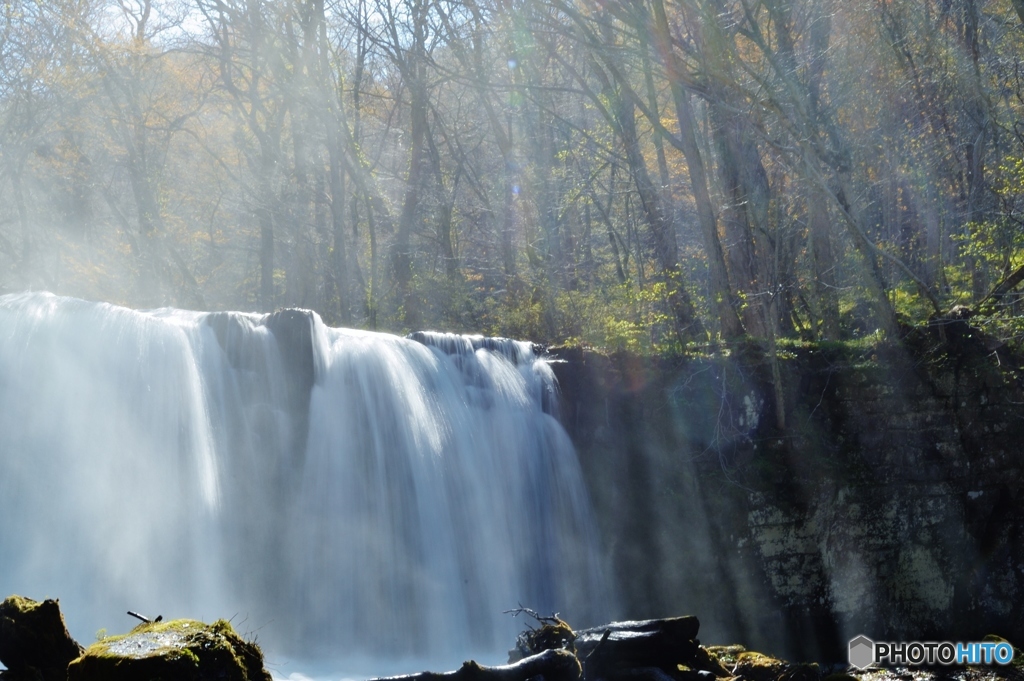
{"points": [[887, 500]]}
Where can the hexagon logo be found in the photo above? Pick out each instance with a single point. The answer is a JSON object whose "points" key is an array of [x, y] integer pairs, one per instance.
{"points": [[862, 652]]}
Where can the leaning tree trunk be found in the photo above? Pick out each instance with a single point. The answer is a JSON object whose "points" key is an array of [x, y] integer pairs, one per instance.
{"points": [[721, 294], [687, 324]]}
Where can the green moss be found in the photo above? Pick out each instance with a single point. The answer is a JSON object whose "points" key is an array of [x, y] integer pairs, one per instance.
{"points": [[148, 639], [725, 654], [21, 603], [755, 659], [759, 667], [178, 649], [705, 660], [33, 638], [1018, 658]]}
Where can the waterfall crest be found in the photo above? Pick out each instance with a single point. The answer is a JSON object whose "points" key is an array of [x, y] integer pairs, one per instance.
{"points": [[342, 492]]}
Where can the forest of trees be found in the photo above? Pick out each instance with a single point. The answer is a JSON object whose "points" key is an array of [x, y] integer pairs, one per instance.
{"points": [[641, 174]]}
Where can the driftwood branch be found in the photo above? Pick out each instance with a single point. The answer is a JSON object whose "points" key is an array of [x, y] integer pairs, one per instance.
{"points": [[144, 618], [554, 633], [543, 619]]}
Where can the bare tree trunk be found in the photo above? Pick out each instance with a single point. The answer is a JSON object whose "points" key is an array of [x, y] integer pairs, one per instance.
{"points": [[502, 137], [721, 295], [977, 112], [687, 324], [264, 215], [25, 261], [413, 68], [741, 256], [819, 227], [339, 250], [825, 292], [446, 199], [339, 268]]}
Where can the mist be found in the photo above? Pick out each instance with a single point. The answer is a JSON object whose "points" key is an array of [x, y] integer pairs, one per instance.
{"points": [[394, 509]]}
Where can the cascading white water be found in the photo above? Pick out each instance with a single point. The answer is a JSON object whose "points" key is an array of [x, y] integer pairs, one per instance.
{"points": [[345, 493]]}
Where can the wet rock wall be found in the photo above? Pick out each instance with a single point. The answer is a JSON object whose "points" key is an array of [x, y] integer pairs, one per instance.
{"points": [[887, 499]]}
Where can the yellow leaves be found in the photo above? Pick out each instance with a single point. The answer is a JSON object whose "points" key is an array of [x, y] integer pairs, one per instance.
{"points": [[1010, 181], [621, 317], [621, 334]]}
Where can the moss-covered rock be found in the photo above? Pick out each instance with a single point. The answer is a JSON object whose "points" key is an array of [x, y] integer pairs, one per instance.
{"points": [[34, 642], [1018, 657], [759, 667], [707, 661], [179, 650], [726, 655]]}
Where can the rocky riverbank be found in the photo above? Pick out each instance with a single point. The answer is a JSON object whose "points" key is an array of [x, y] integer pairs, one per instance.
{"points": [[36, 646]]}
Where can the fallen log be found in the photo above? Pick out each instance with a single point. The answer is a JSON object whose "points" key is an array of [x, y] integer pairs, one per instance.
{"points": [[551, 665], [684, 628], [613, 650]]}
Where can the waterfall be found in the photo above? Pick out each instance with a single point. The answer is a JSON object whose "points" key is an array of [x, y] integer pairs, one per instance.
{"points": [[338, 492]]}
